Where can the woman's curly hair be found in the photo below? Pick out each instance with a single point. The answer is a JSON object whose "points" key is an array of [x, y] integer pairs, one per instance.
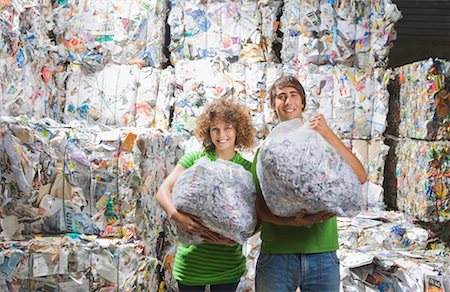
{"points": [[227, 111]]}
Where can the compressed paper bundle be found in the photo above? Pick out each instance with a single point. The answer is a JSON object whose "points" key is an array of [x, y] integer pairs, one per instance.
{"points": [[147, 97], [123, 32], [222, 194], [58, 179], [422, 179], [229, 29], [104, 97], [159, 153], [424, 99], [355, 33], [30, 68], [154, 97], [372, 155], [297, 170], [32, 174], [199, 82], [74, 264], [354, 101], [118, 95]]}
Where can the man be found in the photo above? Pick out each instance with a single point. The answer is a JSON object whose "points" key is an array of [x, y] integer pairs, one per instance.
{"points": [[299, 251]]}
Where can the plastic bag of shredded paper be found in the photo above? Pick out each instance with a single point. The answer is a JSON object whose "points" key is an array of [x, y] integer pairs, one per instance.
{"points": [[298, 169], [222, 194]]}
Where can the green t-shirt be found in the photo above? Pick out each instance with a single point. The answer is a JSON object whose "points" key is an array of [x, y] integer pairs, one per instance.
{"points": [[278, 239], [203, 264]]}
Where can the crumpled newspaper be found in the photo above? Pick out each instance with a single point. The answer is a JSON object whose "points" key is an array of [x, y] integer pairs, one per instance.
{"points": [[297, 170], [222, 194]]}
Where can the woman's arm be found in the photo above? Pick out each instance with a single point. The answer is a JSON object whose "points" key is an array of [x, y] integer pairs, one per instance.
{"points": [[164, 197], [190, 223], [319, 124]]}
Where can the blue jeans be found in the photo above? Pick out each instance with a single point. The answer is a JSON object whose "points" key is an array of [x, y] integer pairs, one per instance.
{"points": [[285, 272]]}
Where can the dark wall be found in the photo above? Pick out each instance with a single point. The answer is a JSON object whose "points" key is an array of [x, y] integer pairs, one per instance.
{"points": [[423, 32]]}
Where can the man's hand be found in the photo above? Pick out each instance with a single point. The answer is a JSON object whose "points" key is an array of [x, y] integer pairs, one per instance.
{"points": [[319, 124], [303, 219]]}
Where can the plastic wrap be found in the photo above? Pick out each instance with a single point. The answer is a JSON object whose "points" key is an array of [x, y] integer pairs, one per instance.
{"points": [[298, 170], [222, 194]]}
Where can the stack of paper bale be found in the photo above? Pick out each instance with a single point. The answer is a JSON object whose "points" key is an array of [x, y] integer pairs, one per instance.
{"points": [[123, 32], [57, 179], [424, 100], [338, 51], [236, 29], [355, 104], [355, 33], [422, 151], [32, 71], [76, 263]]}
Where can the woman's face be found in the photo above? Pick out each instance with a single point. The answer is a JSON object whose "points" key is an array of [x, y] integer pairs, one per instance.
{"points": [[223, 135], [288, 103]]}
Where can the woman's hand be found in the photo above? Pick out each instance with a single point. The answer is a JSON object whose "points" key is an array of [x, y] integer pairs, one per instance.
{"points": [[303, 219], [189, 223]]}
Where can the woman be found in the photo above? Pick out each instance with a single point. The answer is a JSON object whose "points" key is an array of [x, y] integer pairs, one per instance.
{"points": [[223, 127]]}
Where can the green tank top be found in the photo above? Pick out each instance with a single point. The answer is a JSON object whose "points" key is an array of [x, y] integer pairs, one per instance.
{"points": [[203, 264], [277, 239]]}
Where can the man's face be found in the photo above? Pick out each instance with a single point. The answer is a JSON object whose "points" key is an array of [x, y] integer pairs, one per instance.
{"points": [[288, 103]]}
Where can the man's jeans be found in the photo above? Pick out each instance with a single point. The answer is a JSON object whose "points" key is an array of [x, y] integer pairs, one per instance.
{"points": [[286, 272]]}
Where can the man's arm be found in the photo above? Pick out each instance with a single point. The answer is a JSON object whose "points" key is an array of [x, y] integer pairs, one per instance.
{"points": [[319, 124]]}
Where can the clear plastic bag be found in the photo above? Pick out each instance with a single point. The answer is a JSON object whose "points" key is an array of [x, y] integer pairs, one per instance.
{"points": [[298, 169], [222, 194]]}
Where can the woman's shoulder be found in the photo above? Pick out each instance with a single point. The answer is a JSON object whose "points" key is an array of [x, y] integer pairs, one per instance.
{"points": [[190, 158]]}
